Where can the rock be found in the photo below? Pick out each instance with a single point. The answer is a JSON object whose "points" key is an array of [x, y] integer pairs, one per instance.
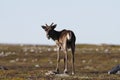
{"points": [[49, 73], [55, 74], [114, 70], [62, 75], [37, 65], [3, 68]]}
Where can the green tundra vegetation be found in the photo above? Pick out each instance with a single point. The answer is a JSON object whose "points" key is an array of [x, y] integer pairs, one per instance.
{"points": [[32, 62]]}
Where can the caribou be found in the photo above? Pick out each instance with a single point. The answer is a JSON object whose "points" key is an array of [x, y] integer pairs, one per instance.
{"points": [[64, 39]]}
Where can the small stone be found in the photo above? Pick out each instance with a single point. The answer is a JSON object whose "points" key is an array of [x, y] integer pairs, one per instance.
{"points": [[49, 73], [37, 65]]}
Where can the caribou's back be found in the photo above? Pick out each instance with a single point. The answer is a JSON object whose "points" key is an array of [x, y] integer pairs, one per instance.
{"points": [[68, 37]]}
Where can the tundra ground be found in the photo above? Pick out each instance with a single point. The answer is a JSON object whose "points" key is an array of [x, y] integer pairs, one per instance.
{"points": [[32, 62]]}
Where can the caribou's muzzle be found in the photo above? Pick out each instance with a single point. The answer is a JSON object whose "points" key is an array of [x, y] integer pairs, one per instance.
{"points": [[48, 36]]}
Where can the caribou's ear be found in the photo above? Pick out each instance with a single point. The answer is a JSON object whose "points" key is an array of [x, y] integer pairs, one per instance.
{"points": [[44, 27], [54, 26]]}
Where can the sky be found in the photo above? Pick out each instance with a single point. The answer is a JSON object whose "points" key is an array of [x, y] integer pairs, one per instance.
{"points": [[93, 21]]}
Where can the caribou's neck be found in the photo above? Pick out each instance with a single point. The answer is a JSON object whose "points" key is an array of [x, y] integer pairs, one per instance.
{"points": [[55, 35]]}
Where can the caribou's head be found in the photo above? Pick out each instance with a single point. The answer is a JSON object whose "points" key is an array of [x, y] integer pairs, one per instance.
{"points": [[49, 29]]}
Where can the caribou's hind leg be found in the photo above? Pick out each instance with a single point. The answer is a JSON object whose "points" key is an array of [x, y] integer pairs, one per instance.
{"points": [[72, 59], [65, 58], [58, 61], [65, 62]]}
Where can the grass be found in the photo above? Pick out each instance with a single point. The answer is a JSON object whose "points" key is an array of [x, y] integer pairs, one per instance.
{"points": [[31, 62]]}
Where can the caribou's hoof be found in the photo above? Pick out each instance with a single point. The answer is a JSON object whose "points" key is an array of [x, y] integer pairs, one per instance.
{"points": [[55, 72], [65, 72], [73, 73]]}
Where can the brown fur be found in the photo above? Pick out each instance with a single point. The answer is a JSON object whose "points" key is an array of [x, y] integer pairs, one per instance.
{"points": [[64, 39]]}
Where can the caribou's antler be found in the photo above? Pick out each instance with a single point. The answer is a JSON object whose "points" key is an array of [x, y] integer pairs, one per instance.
{"points": [[51, 24], [46, 25]]}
